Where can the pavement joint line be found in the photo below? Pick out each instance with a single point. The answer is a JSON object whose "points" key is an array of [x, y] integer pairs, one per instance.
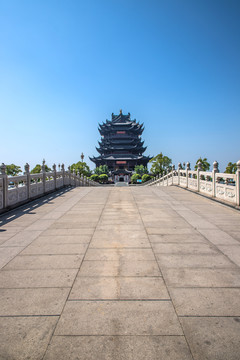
{"points": [[119, 300], [121, 335]]}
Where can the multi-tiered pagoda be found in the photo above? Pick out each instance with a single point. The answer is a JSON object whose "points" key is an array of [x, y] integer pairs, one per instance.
{"points": [[121, 147]]}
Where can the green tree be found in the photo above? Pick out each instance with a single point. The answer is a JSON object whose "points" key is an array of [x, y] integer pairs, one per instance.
{"points": [[94, 177], [103, 178], [140, 169], [205, 164], [82, 167], [102, 169], [13, 170], [135, 177], [160, 164], [38, 168], [231, 168], [146, 177]]}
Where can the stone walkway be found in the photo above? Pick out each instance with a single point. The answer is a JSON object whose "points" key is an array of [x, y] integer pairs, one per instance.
{"points": [[120, 273]]}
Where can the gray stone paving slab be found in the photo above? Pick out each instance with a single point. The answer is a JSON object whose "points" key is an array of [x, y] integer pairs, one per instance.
{"points": [[55, 249], [89, 288], [7, 254], [118, 242], [37, 278], [170, 230], [24, 338], [191, 260], [40, 225], [213, 338], [203, 277], [117, 268], [62, 239], [189, 248], [206, 301], [82, 231], [118, 318], [45, 262], [185, 238], [23, 238], [119, 254], [35, 301], [218, 237], [232, 252], [118, 348]]}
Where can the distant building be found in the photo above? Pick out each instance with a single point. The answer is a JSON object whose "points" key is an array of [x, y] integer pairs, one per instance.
{"points": [[121, 147]]}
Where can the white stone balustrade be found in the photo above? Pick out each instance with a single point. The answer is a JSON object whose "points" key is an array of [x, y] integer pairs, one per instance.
{"points": [[218, 185], [16, 190]]}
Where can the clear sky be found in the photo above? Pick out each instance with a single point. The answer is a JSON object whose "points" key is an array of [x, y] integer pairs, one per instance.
{"points": [[66, 65]]}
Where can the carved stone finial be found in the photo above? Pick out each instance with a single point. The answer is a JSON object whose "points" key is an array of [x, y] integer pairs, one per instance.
{"points": [[199, 164], [215, 166], [69, 169], [179, 166], [26, 168], [3, 169], [173, 167], [188, 165], [63, 167], [238, 165], [43, 165], [54, 167]]}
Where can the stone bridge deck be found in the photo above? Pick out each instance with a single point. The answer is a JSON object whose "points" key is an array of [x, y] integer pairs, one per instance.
{"points": [[120, 273]]}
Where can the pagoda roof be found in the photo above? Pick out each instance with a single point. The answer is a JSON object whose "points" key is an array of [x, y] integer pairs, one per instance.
{"points": [[120, 157]]}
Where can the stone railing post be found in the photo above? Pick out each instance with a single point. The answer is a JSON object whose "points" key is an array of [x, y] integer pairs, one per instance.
{"points": [[214, 172], [69, 175], [82, 181], [74, 177], [4, 177], [173, 169], [28, 182], [44, 176], [63, 174], [78, 178], [238, 183], [187, 170], [179, 169], [199, 168], [54, 176]]}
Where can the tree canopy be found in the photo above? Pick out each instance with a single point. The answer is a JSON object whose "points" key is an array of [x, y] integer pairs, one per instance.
{"points": [[160, 163], [140, 169], [13, 170], [102, 169], [231, 168], [82, 167], [205, 164], [38, 168]]}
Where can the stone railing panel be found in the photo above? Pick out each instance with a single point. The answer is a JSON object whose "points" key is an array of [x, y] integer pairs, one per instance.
{"points": [[219, 185], [16, 190]]}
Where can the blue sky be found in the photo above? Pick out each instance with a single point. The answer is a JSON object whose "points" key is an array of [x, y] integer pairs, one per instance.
{"points": [[65, 66]]}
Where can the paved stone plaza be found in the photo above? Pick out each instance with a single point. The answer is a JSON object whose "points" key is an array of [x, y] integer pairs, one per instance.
{"points": [[120, 273]]}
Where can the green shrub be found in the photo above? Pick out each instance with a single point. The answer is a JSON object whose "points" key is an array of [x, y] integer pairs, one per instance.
{"points": [[134, 178], [94, 177], [103, 178], [146, 177]]}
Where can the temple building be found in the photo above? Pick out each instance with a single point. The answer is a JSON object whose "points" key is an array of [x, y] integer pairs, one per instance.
{"points": [[121, 147]]}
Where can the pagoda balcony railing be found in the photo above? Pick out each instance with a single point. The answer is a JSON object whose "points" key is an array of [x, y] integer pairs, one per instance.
{"points": [[222, 186], [17, 190]]}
